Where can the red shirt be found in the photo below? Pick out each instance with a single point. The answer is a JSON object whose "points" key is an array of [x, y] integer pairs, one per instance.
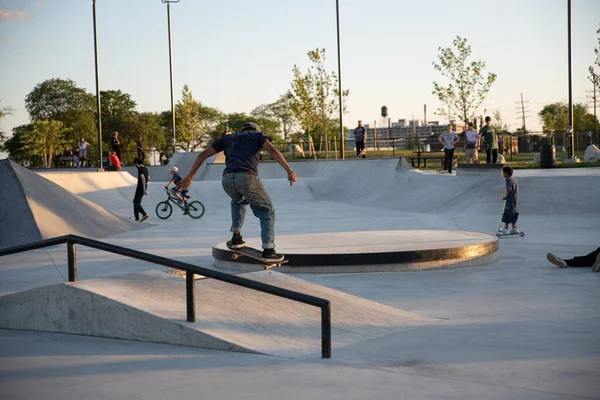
{"points": [[114, 160]]}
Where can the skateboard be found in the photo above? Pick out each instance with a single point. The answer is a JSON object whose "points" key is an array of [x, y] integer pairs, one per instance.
{"points": [[255, 255], [504, 235]]}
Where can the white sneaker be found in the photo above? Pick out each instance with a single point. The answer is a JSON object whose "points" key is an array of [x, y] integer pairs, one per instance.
{"points": [[559, 262], [515, 231]]}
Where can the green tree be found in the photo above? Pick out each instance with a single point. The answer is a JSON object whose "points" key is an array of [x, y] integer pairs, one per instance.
{"points": [[467, 84], [280, 111], [45, 139], [313, 98], [555, 118], [4, 112], [194, 121], [14, 147], [116, 103], [62, 100], [498, 121], [595, 75]]}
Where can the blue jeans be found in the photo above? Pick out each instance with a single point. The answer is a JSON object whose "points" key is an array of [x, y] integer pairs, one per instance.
{"points": [[244, 189]]}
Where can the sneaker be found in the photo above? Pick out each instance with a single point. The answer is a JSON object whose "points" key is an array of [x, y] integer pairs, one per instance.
{"points": [[559, 262], [596, 266], [515, 231], [145, 217], [503, 232], [237, 242], [185, 210], [269, 255]]}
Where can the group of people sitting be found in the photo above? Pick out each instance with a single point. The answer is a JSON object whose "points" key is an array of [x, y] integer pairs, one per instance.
{"points": [[77, 158]]}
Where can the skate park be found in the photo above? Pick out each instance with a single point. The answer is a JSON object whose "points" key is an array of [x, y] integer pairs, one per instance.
{"points": [[501, 324]]}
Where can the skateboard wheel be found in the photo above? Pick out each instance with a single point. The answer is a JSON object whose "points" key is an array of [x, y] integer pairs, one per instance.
{"points": [[235, 256], [522, 234]]}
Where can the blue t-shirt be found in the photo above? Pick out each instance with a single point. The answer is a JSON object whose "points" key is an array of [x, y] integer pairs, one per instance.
{"points": [[241, 150], [513, 197]]}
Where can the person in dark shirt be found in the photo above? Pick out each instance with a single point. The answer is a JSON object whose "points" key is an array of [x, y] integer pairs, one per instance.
{"points": [[242, 184], [139, 146], [116, 145], [140, 190], [591, 259], [510, 214]]}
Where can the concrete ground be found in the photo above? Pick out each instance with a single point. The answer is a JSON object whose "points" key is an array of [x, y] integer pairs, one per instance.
{"points": [[518, 328]]}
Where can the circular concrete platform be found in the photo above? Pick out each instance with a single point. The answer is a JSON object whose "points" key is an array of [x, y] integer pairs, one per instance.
{"points": [[370, 251]]}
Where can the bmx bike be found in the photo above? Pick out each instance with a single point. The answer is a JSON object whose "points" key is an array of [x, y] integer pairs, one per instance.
{"points": [[164, 209]]}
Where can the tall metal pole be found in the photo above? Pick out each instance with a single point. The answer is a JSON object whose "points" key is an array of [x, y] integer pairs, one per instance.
{"points": [[171, 73], [98, 100], [339, 51], [595, 117], [572, 133]]}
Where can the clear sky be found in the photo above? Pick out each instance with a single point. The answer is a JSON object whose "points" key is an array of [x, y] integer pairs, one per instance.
{"points": [[238, 54]]}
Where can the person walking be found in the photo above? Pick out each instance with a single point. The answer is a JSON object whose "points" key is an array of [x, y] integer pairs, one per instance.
{"points": [[448, 139], [241, 182], [490, 136], [141, 190], [360, 138], [116, 145]]}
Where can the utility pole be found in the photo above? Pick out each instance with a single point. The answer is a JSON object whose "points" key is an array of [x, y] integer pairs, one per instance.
{"points": [[594, 102], [522, 108], [168, 2]]}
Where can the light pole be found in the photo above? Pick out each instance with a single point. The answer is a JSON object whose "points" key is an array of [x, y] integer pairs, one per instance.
{"points": [[168, 3], [570, 130], [98, 104], [339, 51]]}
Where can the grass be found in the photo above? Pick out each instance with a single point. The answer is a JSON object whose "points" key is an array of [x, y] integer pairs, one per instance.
{"points": [[519, 161]]}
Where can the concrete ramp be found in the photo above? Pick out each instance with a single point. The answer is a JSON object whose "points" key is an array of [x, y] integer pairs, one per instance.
{"points": [[150, 306], [33, 208]]}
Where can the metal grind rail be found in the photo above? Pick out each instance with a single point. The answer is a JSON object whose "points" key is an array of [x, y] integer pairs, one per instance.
{"points": [[73, 240]]}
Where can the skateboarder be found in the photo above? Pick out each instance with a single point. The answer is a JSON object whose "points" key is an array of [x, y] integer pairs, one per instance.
{"points": [[488, 132], [448, 140], [592, 259], [140, 190], [510, 215], [240, 181]]}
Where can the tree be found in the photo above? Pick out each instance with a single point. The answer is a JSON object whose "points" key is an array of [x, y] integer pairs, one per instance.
{"points": [[468, 85], [236, 122], [4, 112], [14, 147], [555, 118], [595, 75], [498, 122], [62, 100], [116, 103], [314, 95], [45, 139], [280, 111], [194, 121]]}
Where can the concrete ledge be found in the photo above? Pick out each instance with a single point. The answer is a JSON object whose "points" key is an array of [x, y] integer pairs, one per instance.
{"points": [[371, 251]]}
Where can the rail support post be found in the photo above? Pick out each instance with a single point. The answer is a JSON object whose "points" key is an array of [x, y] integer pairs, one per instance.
{"points": [[72, 260], [326, 331], [190, 286]]}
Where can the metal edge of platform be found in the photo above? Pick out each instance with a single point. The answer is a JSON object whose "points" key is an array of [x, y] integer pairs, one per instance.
{"points": [[371, 268], [358, 259]]}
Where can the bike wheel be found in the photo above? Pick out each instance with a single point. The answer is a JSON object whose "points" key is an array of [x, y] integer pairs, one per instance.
{"points": [[195, 209], [164, 210]]}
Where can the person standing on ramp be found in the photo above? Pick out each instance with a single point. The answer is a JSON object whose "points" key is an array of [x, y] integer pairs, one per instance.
{"points": [[140, 190], [241, 182]]}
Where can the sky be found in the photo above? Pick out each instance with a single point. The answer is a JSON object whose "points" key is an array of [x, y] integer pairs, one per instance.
{"points": [[238, 54]]}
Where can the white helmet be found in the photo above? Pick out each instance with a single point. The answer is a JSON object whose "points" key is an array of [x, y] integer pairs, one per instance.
{"points": [[175, 170]]}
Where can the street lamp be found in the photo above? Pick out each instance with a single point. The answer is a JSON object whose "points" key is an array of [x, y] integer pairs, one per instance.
{"points": [[98, 105], [571, 136], [168, 3], [337, 13]]}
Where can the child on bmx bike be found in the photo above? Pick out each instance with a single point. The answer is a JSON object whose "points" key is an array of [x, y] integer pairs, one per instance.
{"points": [[181, 195]]}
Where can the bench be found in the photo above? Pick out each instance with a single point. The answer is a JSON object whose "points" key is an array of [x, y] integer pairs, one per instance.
{"points": [[430, 156]]}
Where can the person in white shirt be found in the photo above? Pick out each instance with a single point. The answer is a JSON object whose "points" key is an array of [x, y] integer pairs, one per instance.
{"points": [[448, 139], [83, 146], [472, 139]]}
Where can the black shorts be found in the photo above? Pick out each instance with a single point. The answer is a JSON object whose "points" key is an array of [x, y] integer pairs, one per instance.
{"points": [[510, 215]]}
